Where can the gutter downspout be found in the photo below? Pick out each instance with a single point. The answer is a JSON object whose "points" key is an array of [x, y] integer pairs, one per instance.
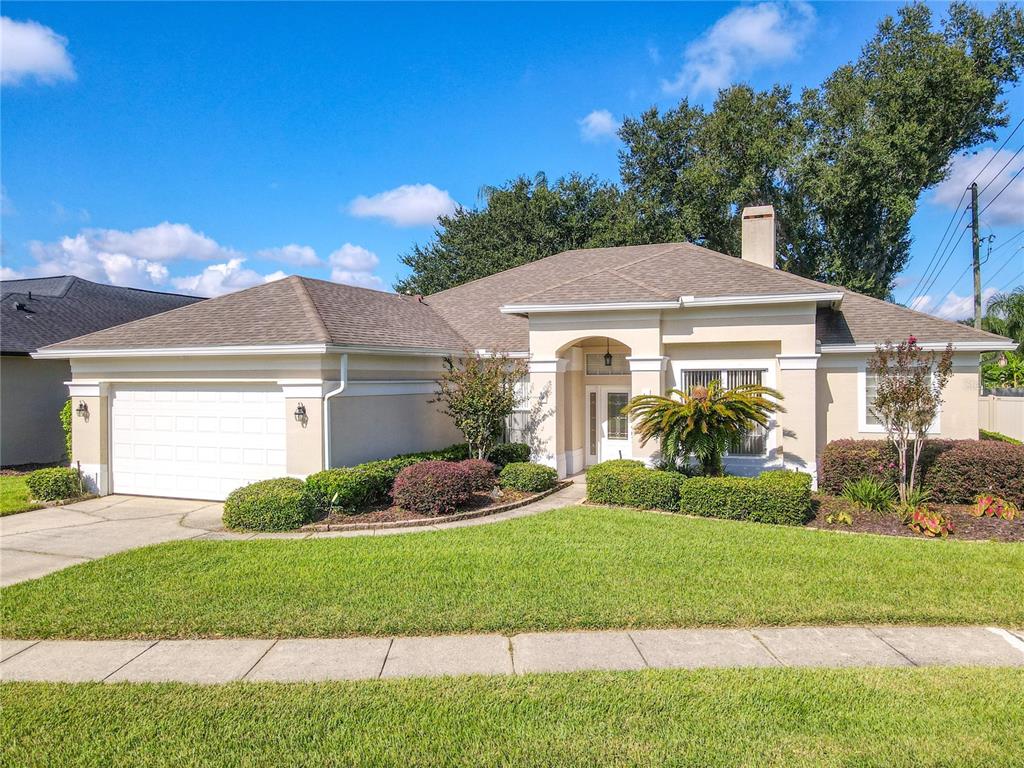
{"points": [[343, 374]]}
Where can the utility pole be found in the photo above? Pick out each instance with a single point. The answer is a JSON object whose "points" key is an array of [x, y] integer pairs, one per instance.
{"points": [[976, 254]]}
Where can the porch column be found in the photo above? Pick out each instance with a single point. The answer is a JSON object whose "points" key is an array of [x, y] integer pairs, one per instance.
{"points": [[304, 434], [548, 408], [90, 431], [798, 425], [647, 377]]}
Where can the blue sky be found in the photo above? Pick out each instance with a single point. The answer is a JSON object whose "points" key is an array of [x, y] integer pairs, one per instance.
{"points": [[205, 147]]}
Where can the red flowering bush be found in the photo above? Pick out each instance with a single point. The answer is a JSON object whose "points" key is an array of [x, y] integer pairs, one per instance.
{"points": [[482, 474], [988, 505], [433, 487], [928, 523]]}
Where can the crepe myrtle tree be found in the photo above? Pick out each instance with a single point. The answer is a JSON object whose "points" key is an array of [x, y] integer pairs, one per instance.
{"points": [[908, 395], [479, 393]]}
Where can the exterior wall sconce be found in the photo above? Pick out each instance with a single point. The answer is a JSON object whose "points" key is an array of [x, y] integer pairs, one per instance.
{"points": [[300, 413], [82, 409]]}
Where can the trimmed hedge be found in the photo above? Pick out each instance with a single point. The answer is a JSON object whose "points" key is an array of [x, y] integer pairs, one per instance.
{"points": [[527, 477], [508, 453], [54, 484], [483, 475], [778, 496], [629, 483], [433, 487], [268, 505], [955, 471]]}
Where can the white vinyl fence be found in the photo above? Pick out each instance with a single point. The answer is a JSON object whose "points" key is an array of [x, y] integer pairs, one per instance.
{"points": [[1000, 413]]}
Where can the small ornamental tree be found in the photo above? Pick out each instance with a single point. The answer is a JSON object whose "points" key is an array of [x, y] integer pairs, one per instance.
{"points": [[908, 396], [479, 394]]}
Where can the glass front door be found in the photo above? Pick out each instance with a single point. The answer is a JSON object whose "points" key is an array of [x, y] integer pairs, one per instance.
{"points": [[607, 427]]}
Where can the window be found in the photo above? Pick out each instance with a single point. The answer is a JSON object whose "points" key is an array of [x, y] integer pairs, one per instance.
{"points": [[596, 366], [519, 420], [593, 423], [869, 422], [754, 442], [618, 422]]}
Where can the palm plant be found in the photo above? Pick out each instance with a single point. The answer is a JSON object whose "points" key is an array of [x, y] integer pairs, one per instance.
{"points": [[702, 422], [1005, 315]]}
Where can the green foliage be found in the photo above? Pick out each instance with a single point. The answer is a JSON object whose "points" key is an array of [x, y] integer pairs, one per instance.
{"points": [[506, 453], [1004, 314], [54, 484], [839, 517], [65, 423], [1007, 370], [999, 437], [527, 477], [479, 394], [917, 497], [778, 496], [702, 422], [629, 483], [268, 505], [870, 493]]}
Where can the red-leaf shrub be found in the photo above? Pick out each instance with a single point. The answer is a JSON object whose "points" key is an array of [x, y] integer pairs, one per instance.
{"points": [[955, 471], [433, 487], [482, 474]]}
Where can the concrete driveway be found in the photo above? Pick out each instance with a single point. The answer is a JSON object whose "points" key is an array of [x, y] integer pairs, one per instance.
{"points": [[35, 543]]}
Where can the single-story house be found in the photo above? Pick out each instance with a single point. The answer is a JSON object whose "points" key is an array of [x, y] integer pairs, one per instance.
{"points": [[39, 311], [293, 376]]}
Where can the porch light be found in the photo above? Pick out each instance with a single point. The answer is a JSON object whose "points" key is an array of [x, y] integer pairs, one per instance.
{"points": [[300, 412], [82, 409], [608, 354]]}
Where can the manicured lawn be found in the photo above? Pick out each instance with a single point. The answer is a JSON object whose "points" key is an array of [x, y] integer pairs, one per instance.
{"points": [[14, 495], [577, 567], [921, 717]]}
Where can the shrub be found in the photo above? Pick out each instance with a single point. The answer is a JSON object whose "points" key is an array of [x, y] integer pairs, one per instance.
{"points": [[65, 423], [928, 523], [482, 474], [507, 453], [992, 506], [527, 476], [955, 471], [268, 505], [869, 493], [985, 434], [54, 484], [433, 487], [630, 483], [778, 496]]}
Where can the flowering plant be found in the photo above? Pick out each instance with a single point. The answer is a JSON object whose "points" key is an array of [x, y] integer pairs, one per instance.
{"points": [[988, 505], [928, 523]]}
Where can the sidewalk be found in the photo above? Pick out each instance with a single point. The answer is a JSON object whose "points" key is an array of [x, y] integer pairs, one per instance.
{"points": [[369, 658]]}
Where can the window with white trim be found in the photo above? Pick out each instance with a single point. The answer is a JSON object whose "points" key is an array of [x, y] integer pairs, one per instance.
{"points": [[869, 420], [753, 442], [519, 419]]}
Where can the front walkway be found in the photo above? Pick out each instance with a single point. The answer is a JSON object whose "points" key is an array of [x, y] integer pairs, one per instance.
{"points": [[33, 544], [369, 658]]}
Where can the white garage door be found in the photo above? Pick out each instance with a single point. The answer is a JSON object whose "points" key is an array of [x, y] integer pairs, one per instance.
{"points": [[195, 442]]}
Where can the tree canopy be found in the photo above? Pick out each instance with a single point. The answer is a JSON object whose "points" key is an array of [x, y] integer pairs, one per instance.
{"points": [[844, 164]]}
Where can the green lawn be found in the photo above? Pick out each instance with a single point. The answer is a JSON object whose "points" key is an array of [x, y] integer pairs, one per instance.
{"points": [[919, 717], [14, 495], [578, 567]]}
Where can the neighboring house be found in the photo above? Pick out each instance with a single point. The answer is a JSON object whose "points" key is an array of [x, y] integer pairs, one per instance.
{"points": [[296, 375], [40, 311]]}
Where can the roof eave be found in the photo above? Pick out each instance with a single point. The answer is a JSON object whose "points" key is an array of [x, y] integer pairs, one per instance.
{"points": [[929, 346], [831, 298], [51, 353]]}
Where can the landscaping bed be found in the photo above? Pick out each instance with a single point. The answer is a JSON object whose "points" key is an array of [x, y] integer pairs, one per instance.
{"points": [[967, 527]]}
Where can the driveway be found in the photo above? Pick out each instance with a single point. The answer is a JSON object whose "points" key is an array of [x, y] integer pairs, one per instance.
{"points": [[36, 543]]}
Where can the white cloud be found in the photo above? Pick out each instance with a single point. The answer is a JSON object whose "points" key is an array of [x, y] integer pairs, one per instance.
{"points": [[30, 50], [405, 206], [219, 279], [952, 306], [1006, 209], [598, 125], [298, 255], [354, 265], [747, 37]]}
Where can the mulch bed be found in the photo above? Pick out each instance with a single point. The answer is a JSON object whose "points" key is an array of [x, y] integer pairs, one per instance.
{"points": [[968, 528]]}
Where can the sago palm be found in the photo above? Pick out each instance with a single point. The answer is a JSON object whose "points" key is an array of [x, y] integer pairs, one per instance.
{"points": [[702, 422]]}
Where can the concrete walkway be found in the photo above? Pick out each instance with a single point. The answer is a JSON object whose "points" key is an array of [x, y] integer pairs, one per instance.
{"points": [[33, 544], [368, 658]]}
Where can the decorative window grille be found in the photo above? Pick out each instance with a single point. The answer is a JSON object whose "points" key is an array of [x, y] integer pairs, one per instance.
{"points": [[754, 442]]}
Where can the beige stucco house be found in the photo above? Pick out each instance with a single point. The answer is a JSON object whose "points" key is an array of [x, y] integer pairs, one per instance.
{"points": [[290, 377]]}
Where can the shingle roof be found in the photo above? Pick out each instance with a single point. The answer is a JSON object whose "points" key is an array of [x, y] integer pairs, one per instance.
{"points": [[67, 306], [295, 310]]}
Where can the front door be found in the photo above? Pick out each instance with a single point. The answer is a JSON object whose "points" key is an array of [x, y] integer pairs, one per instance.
{"points": [[607, 426]]}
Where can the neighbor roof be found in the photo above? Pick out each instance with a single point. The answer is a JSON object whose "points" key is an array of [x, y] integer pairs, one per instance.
{"points": [[66, 306], [295, 310]]}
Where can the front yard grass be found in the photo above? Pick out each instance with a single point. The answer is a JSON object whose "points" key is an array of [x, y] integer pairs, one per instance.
{"points": [[576, 567], [14, 495], [866, 717]]}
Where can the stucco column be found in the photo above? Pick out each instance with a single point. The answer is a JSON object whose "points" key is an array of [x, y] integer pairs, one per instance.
{"points": [[548, 413], [304, 435], [90, 435], [798, 425], [647, 377]]}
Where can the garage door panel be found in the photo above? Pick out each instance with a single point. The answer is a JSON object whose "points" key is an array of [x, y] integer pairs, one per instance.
{"points": [[195, 441]]}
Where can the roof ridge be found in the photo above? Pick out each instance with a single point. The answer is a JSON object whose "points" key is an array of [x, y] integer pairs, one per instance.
{"points": [[310, 307]]}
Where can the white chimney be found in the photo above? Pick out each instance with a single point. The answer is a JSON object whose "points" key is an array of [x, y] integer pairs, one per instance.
{"points": [[758, 235]]}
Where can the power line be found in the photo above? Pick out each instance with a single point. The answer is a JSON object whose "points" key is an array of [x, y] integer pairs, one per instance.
{"points": [[1006, 242], [1007, 184], [996, 153], [943, 263], [939, 249], [1006, 263], [1012, 281], [997, 173]]}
